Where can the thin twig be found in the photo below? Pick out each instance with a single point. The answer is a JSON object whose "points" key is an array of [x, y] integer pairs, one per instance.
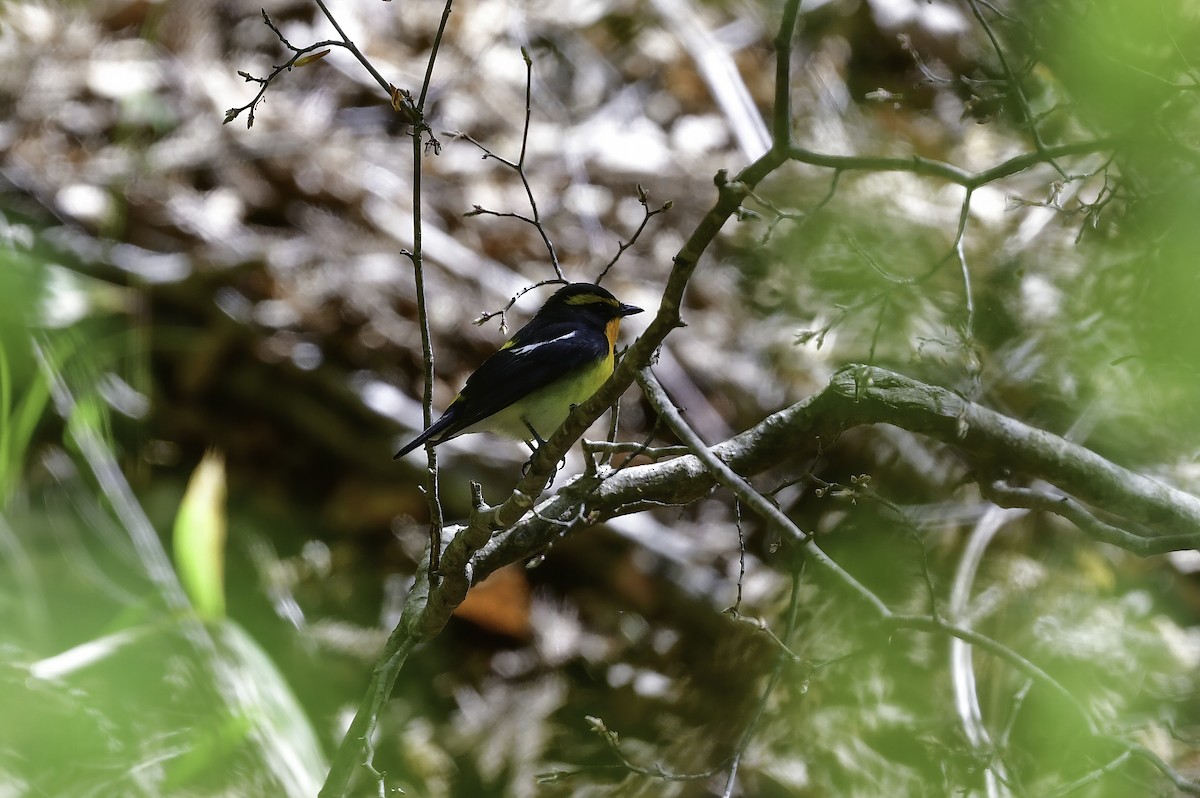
{"points": [[484, 318], [355, 747], [785, 658], [1183, 784], [630, 447], [432, 495], [300, 56], [741, 536], [860, 488], [613, 741], [781, 112], [648, 213], [968, 333], [800, 217], [844, 312], [960, 252], [1014, 84], [433, 51], [746, 492], [1143, 543], [1093, 776], [962, 655], [518, 166], [614, 429], [349, 44], [928, 167]]}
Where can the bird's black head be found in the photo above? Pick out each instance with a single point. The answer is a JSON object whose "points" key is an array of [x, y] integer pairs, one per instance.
{"points": [[580, 301]]}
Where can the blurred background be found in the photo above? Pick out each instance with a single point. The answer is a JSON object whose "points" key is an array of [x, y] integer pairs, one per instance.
{"points": [[209, 351]]}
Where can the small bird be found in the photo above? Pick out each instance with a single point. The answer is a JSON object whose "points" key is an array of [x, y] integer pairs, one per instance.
{"points": [[527, 388]]}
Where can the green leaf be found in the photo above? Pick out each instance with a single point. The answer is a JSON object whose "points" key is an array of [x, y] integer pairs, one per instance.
{"points": [[200, 537]]}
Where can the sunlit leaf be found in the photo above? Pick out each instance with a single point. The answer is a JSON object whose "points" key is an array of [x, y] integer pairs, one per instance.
{"points": [[200, 537]]}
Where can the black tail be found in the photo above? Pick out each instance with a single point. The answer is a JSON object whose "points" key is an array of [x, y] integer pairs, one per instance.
{"points": [[435, 428]]}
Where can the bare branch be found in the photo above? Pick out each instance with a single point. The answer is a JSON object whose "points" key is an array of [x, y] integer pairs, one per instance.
{"points": [[518, 166], [927, 167], [612, 740], [648, 213], [301, 56], [1143, 543], [800, 217], [1014, 84], [628, 447], [781, 114], [349, 44], [781, 662], [355, 749], [483, 318]]}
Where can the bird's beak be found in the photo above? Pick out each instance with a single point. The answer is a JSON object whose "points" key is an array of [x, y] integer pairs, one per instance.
{"points": [[628, 310]]}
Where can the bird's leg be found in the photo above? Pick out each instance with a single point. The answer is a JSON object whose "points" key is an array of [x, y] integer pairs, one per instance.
{"points": [[535, 435], [532, 447]]}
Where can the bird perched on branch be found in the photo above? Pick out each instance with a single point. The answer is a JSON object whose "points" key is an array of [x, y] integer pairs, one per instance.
{"points": [[556, 361]]}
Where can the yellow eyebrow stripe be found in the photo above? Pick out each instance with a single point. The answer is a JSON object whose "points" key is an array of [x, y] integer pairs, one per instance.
{"points": [[591, 299]]}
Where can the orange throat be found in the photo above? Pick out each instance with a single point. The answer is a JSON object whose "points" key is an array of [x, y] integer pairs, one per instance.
{"points": [[611, 330]]}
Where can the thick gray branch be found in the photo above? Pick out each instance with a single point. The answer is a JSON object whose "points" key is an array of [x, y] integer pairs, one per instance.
{"points": [[995, 440], [862, 395]]}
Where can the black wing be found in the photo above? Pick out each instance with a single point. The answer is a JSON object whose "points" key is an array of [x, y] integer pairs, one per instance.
{"points": [[532, 359]]}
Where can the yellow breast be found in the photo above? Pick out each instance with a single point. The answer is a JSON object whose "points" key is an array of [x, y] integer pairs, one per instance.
{"points": [[546, 409]]}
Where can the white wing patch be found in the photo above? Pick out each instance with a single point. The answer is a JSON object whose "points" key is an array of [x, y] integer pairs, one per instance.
{"points": [[524, 350]]}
